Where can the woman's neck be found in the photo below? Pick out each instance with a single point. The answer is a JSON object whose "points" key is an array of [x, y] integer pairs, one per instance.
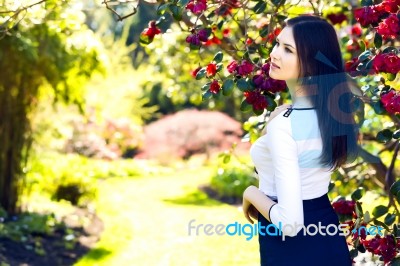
{"points": [[299, 97]]}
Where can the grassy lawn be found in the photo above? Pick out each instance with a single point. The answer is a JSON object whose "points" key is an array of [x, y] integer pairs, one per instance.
{"points": [[146, 223]]}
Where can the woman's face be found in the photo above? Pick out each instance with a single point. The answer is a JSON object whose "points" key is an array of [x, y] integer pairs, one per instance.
{"points": [[284, 60]]}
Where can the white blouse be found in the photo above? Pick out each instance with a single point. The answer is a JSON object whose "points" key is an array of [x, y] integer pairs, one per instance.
{"points": [[286, 159]]}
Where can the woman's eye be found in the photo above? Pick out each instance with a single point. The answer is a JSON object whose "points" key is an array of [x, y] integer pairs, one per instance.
{"points": [[288, 50]]}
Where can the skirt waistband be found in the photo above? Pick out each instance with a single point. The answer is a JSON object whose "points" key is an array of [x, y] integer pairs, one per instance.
{"points": [[312, 204]]}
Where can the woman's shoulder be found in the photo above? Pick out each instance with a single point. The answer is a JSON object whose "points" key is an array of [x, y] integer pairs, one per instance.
{"points": [[275, 116], [278, 110]]}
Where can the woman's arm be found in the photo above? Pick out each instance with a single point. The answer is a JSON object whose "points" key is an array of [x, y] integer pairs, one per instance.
{"points": [[254, 198]]}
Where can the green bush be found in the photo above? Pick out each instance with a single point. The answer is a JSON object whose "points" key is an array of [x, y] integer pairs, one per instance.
{"points": [[73, 177], [231, 182]]}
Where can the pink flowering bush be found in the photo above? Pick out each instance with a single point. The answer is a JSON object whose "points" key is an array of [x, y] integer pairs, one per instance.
{"points": [[189, 132]]}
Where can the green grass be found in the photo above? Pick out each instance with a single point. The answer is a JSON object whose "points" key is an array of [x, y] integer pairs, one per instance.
{"points": [[146, 223]]}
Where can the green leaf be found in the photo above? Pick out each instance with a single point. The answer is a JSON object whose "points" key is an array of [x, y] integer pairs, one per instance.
{"points": [[379, 211], [378, 107], [260, 7], [182, 3], [353, 253], [390, 218], [359, 210], [206, 86], [258, 112], [364, 55], [390, 49], [219, 67], [396, 134], [145, 39], [194, 47], [367, 2], [263, 51], [162, 8], [206, 95], [384, 135], [176, 12], [271, 104], [357, 195], [227, 87], [245, 106], [396, 230], [398, 196], [378, 40], [377, 222], [243, 85], [395, 262], [201, 73], [390, 76], [278, 2], [264, 31], [362, 45], [367, 217], [227, 158], [331, 186], [218, 57], [395, 187]]}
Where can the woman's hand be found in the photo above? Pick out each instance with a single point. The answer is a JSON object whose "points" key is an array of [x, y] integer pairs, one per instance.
{"points": [[248, 209]]}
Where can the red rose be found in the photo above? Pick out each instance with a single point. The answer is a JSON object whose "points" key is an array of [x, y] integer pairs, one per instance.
{"points": [[344, 207], [245, 68], [232, 67], [215, 87], [256, 99], [389, 28], [211, 70]]}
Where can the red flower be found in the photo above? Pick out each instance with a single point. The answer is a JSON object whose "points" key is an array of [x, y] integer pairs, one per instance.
{"points": [[383, 246], [226, 32], [203, 35], [194, 72], [337, 18], [389, 6], [193, 39], [213, 40], [391, 101], [197, 6], [351, 67], [272, 36], [387, 63], [352, 45], [256, 99], [215, 87], [211, 70], [390, 27], [232, 67], [245, 68], [356, 30], [152, 30], [344, 207], [368, 15]]}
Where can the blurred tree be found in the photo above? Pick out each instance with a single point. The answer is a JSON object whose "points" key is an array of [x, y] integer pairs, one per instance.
{"points": [[45, 48]]}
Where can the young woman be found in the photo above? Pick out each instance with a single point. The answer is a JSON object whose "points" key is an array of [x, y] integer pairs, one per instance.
{"points": [[304, 143]]}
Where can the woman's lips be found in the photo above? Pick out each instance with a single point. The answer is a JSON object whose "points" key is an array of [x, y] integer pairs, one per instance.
{"points": [[273, 65]]}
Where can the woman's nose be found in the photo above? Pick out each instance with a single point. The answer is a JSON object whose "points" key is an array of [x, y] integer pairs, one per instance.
{"points": [[274, 53]]}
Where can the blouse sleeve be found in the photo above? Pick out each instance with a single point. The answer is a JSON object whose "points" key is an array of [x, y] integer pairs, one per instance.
{"points": [[288, 213]]}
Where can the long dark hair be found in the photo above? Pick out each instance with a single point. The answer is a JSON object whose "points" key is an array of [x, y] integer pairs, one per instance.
{"points": [[321, 67]]}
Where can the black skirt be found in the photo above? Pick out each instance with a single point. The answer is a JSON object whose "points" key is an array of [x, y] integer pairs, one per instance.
{"points": [[307, 249]]}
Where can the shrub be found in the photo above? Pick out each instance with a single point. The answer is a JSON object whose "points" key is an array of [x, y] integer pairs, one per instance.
{"points": [[190, 132], [110, 140], [231, 182]]}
